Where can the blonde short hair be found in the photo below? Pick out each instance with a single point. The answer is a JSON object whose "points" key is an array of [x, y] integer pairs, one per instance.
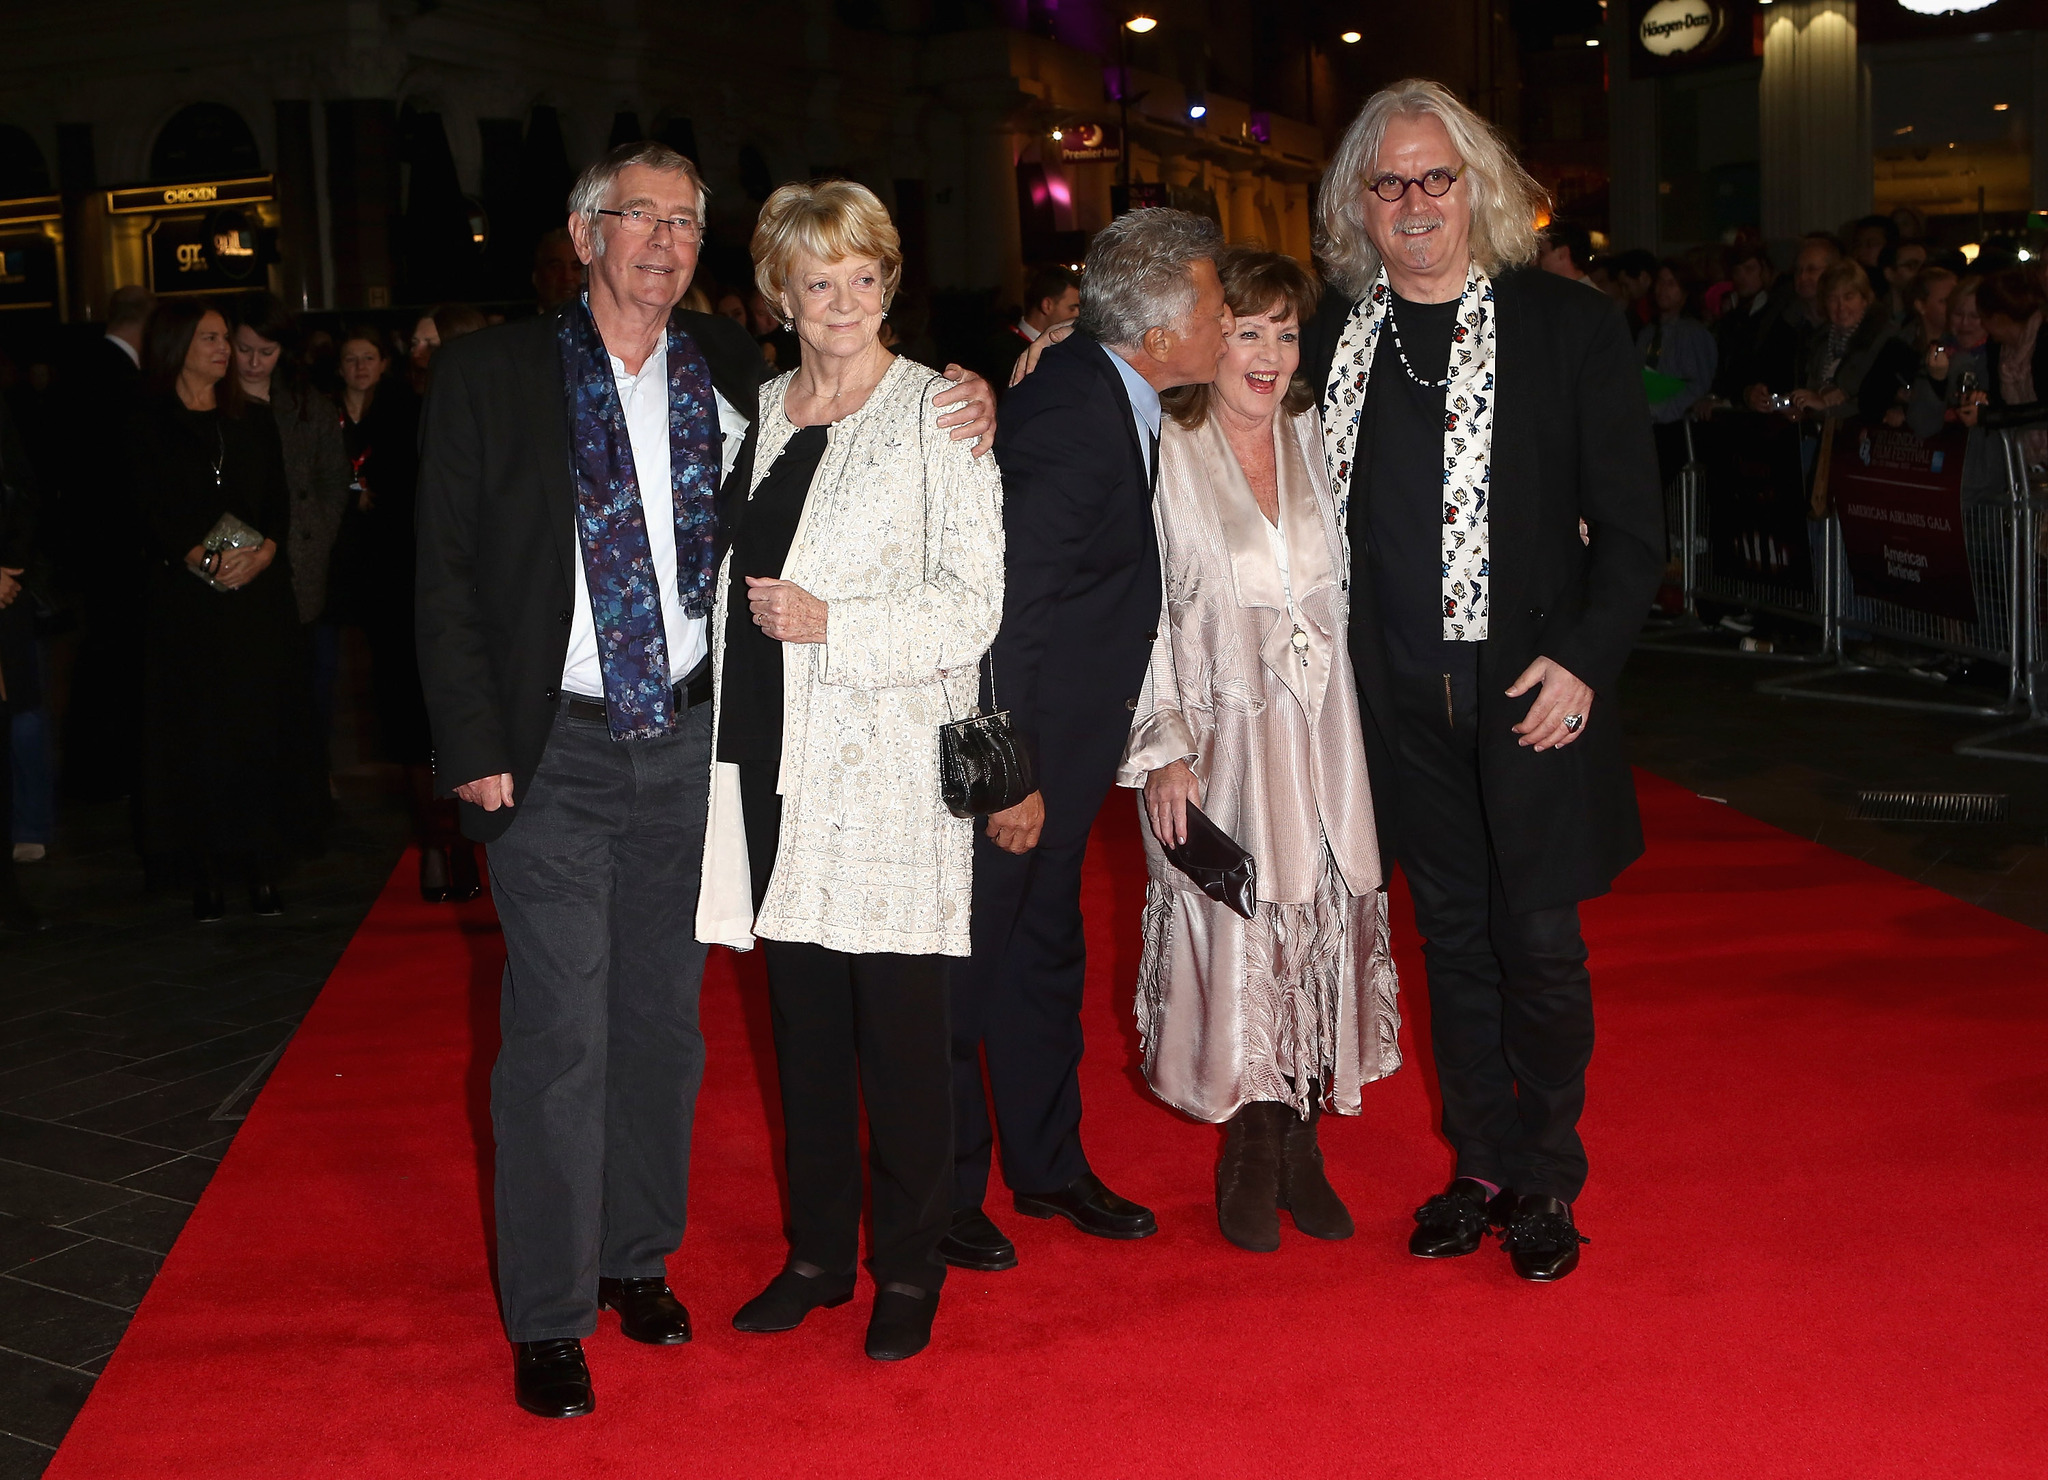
{"points": [[830, 220], [1505, 198]]}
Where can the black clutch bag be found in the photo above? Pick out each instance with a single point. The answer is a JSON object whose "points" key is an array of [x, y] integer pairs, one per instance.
{"points": [[1219, 867], [984, 765]]}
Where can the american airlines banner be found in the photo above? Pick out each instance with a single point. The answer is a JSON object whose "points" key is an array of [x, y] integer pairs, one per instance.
{"points": [[1900, 501]]}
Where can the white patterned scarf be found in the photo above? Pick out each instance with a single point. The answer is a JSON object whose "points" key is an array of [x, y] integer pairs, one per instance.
{"points": [[1468, 439]]}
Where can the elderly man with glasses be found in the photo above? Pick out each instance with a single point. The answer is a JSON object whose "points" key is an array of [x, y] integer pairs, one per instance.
{"points": [[1478, 414], [570, 487]]}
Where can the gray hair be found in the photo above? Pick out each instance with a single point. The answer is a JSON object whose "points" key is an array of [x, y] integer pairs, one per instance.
{"points": [[1505, 199], [1137, 275], [594, 186]]}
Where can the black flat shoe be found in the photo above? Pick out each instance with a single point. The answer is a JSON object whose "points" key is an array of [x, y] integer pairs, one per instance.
{"points": [[208, 904], [795, 1293], [1092, 1208], [648, 1310], [974, 1242], [464, 881], [434, 875], [1541, 1240], [551, 1379], [263, 899], [1454, 1222], [901, 1324]]}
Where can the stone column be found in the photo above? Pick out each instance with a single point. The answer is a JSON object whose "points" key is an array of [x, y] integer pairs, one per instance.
{"points": [[1246, 224], [1632, 146], [1813, 107]]}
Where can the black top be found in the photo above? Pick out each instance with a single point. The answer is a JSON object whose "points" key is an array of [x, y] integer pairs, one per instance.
{"points": [[1397, 488], [750, 703]]}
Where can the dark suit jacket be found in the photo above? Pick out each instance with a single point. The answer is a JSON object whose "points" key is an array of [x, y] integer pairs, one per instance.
{"points": [[1081, 594], [1571, 441], [497, 542]]}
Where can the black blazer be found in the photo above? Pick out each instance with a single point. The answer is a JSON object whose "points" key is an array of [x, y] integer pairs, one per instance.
{"points": [[497, 542], [1571, 441], [1081, 572]]}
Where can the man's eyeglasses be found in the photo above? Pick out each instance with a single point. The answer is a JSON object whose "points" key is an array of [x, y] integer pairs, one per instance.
{"points": [[1391, 188], [642, 223]]}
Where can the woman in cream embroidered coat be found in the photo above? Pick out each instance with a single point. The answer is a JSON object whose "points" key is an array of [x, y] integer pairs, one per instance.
{"points": [[863, 585], [1249, 710]]}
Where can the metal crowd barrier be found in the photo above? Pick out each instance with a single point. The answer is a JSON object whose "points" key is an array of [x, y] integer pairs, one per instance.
{"points": [[2004, 542]]}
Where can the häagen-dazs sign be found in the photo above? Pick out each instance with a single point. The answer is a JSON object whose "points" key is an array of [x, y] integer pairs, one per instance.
{"points": [[1675, 27]]}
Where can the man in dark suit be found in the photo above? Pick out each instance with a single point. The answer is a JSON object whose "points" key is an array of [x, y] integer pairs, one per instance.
{"points": [[569, 478], [1052, 296], [17, 637], [1477, 410], [1078, 444]]}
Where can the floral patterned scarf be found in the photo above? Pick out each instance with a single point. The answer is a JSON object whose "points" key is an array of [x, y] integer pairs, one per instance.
{"points": [[611, 524], [1468, 439]]}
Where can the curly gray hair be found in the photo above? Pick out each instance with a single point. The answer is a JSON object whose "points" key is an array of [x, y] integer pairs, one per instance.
{"points": [[1137, 274], [594, 186], [1505, 199]]}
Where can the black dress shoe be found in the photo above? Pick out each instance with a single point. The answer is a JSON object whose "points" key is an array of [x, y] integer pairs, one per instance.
{"points": [[800, 1289], [1454, 1222], [434, 875], [263, 898], [208, 904], [1092, 1208], [1541, 1240], [648, 1311], [901, 1323], [550, 1378], [974, 1242]]}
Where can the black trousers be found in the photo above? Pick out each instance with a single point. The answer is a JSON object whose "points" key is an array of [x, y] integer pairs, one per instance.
{"points": [[1510, 999], [595, 1089], [853, 1028]]}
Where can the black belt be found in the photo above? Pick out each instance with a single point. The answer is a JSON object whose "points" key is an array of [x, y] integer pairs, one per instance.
{"points": [[687, 694]]}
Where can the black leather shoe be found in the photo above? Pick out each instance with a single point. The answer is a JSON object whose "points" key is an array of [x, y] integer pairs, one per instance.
{"points": [[1092, 1208], [1454, 1222], [901, 1323], [1541, 1240], [551, 1379], [800, 1289], [208, 904], [434, 875], [974, 1242], [464, 882], [263, 899], [648, 1311]]}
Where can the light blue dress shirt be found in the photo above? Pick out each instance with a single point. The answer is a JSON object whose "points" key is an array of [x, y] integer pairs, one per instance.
{"points": [[1144, 404]]}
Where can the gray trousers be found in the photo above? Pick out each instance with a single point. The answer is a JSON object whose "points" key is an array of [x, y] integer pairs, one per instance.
{"points": [[596, 1081]]}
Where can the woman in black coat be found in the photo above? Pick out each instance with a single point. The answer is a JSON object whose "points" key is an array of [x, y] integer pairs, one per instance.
{"points": [[231, 774]]}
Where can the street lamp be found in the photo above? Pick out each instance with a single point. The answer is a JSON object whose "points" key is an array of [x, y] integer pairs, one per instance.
{"points": [[1140, 24], [1137, 24]]}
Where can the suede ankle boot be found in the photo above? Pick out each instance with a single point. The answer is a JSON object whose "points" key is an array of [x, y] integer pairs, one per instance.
{"points": [[1248, 1178], [1304, 1190]]}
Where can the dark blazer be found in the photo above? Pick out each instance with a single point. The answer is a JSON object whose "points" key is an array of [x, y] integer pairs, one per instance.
{"points": [[497, 542], [1081, 594], [1571, 441]]}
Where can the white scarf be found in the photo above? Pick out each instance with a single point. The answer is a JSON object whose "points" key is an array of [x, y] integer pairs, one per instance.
{"points": [[1468, 439]]}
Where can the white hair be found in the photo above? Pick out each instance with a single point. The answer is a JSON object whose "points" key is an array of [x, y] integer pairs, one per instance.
{"points": [[1138, 273], [1505, 199], [594, 186]]}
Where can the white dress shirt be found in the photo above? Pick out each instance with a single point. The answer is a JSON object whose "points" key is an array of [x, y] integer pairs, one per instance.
{"points": [[644, 398], [127, 349], [1030, 334], [1145, 409]]}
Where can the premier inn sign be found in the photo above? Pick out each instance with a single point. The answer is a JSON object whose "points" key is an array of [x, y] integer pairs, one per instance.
{"points": [[1672, 28]]}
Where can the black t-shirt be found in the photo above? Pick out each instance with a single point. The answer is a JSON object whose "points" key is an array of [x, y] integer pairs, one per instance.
{"points": [[1397, 488], [750, 702]]}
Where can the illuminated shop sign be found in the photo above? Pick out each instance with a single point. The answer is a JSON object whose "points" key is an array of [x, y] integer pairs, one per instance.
{"points": [[200, 194], [1680, 35], [1090, 143], [1674, 27], [31, 208], [217, 252]]}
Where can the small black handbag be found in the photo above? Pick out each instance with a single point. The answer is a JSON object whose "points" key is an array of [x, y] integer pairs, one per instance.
{"points": [[1219, 867], [984, 765]]}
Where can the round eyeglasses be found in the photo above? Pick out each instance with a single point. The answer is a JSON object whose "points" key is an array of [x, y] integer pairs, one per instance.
{"points": [[1391, 188], [686, 228]]}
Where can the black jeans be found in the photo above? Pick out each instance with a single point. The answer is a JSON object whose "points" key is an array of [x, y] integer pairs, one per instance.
{"points": [[1510, 1000], [595, 1088], [850, 1028]]}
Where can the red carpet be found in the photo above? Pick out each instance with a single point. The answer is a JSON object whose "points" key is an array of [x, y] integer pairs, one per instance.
{"points": [[1815, 1120]]}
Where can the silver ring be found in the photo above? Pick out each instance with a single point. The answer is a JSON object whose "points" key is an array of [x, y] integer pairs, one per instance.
{"points": [[1573, 721]]}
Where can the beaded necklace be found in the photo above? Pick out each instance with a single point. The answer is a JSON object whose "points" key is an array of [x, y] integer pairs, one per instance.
{"points": [[1399, 349]]}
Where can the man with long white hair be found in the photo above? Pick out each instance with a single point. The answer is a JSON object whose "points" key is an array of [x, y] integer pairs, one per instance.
{"points": [[1478, 413]]}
